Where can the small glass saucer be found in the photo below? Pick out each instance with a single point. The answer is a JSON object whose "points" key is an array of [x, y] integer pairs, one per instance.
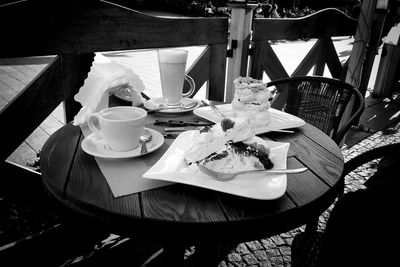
{"points": [[96, 146], [178, 109]]}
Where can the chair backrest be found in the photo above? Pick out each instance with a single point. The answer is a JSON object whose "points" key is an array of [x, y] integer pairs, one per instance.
{"points": [[320, 101], [366, 215], [359, 219], [370, 155]]}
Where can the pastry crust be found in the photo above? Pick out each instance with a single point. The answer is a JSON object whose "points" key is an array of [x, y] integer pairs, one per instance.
{"points": [[252, 99]]}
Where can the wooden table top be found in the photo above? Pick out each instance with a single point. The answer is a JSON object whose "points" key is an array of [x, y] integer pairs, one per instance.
{"points": [[184, 213]]}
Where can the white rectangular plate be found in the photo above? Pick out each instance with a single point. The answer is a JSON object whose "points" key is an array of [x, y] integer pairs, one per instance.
{"points": [[172, 167], [279, 119]]}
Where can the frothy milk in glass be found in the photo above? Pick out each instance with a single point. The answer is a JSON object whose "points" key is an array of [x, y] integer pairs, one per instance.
{"points": [[172, 64]]}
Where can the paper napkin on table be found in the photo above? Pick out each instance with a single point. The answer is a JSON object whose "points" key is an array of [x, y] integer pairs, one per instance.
{"points": [[118, 173], [105, 76]]}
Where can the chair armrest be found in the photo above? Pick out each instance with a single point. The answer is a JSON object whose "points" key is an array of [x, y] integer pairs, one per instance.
{"points": [[345, 127], [370, 155]]}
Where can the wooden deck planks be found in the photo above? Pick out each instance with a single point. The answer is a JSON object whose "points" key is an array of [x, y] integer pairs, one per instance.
{"points": [[15, 74]]}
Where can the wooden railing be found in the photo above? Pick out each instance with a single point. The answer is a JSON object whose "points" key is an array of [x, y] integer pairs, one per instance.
{"points": [[73, 30], [322, 25]]}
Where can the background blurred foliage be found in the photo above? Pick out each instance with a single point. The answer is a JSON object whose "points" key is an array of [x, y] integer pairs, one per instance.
{"points": [[206, 8]]}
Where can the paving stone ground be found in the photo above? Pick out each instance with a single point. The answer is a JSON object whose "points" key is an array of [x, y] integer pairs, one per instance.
{"points": [[275, 251]]}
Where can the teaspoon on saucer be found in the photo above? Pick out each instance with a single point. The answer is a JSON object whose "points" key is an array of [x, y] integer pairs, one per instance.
{"points": [[143, 139]]}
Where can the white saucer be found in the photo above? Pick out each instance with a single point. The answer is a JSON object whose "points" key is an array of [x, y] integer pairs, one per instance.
{"points": [[184, 101], [95, 145], [279, 120]]}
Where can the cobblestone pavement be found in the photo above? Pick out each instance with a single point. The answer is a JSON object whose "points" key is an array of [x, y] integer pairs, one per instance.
{"points": [[275, 251]]}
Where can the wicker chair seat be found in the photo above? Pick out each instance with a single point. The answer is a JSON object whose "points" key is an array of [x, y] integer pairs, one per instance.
{"points": [[320, 101], [322, 116]]}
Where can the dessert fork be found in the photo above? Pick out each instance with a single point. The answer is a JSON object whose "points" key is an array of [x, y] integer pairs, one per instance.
{"points": [[222, 176], [214, 107]]}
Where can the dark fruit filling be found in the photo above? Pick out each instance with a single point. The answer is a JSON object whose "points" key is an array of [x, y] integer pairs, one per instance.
{"points": [[256, 150], [216, 156], [227, 124]]}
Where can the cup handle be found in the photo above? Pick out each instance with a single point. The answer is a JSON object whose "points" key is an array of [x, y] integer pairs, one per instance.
{"points": [[192, 86], [92, 126]]}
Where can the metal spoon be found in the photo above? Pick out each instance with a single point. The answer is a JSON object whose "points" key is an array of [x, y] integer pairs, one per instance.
{"points": [[143, 139]]}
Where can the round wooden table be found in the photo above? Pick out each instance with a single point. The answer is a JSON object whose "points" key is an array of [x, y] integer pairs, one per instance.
{"points": [[179, 215]]}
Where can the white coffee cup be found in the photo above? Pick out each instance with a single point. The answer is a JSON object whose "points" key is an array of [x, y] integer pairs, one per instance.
{"points": [[120, 126], [172, 63]]}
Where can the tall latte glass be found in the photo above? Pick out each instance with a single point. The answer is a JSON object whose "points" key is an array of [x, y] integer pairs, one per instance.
{"points": [[172, 63]]}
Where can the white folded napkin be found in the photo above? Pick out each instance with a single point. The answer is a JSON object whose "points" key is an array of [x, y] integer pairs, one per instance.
{"points": [[106, 76]]}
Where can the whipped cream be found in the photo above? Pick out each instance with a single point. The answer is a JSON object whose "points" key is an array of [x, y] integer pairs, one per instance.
{"points": [[210, 140], [229, 146], [252, 100]]}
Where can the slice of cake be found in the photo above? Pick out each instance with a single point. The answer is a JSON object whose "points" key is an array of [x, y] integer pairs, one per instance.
{"points": [[241, 156], [208, 140], [230, 146], [252, 99]]}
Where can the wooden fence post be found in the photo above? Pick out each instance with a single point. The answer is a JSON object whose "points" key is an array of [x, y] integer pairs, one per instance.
{"points": [[358, 53], [239, 39], [382, 10], [361, 40]]}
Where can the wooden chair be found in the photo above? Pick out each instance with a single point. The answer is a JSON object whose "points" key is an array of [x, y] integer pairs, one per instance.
{"points": [[309, 248], [71, 31], [320, 101]]}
